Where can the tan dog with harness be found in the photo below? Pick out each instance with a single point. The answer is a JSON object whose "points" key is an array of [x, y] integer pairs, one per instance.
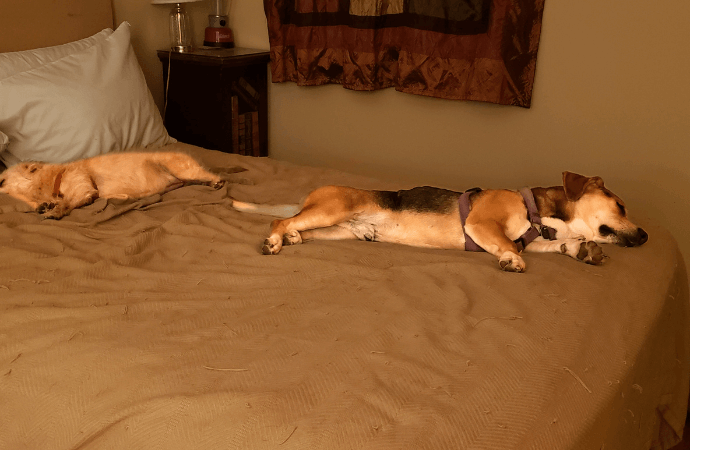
{"points": [[570, 219]]}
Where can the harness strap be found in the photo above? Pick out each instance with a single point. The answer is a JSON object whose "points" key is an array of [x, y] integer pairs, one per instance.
{"points": [[536, 227], [464, 205]]}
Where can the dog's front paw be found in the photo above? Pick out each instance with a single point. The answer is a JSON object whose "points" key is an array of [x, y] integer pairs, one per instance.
{"points": [[510, 262], [272, 246], [89, 199], [590, 253], [55, 213], [45, 207], [292, 237]]}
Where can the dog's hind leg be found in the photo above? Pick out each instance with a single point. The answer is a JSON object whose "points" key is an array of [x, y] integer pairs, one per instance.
{"points": [[333, 233], [587, 252], [324, 207], [185, 168], [307, 219], [489, 235]]}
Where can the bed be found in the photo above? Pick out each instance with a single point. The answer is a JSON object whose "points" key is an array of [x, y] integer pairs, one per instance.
{"points": [[158, 324]]}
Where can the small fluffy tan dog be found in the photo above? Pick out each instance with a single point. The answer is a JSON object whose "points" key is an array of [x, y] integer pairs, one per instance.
{"points": [[54, 190]]}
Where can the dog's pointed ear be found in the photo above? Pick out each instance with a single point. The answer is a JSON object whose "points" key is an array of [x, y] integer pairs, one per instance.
{"points": [[575, 185], [32, 167]]}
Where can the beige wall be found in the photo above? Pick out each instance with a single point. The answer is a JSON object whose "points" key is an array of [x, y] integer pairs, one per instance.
{"points": [[611, 98]]}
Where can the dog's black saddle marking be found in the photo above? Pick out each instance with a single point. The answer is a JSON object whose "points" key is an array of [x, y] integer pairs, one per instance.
{"points": [[424, 199]]}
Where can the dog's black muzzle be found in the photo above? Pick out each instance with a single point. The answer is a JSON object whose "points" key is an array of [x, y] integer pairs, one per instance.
{"points": [[632, 239]]}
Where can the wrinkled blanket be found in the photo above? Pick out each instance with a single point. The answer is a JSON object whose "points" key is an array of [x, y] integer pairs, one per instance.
{"points": [[158, 324]]}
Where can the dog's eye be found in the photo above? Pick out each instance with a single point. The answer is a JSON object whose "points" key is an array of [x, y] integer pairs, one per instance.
{"points": [[33, 170], [621, 208]]}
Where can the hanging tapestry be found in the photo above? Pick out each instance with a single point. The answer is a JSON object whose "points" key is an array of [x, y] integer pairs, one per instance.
{"points": [[483, 50]]}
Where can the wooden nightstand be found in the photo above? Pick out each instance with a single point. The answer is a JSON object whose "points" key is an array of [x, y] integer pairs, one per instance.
{"points": [[217, 98]]}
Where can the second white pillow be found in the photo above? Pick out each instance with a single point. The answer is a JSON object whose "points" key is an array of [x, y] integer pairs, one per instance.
{"points": [[81, 105], [16, 62]]}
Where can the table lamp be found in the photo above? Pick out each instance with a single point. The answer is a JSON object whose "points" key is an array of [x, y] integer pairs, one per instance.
{"points": [[180, 29]]}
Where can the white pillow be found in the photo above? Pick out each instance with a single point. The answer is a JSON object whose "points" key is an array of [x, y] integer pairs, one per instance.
{"points": [[81, 105], [16, 62]]}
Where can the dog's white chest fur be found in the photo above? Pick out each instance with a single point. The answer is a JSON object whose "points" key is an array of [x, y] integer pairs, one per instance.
{"points": [[575, 229]]}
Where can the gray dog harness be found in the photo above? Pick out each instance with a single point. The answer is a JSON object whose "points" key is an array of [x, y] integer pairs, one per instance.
{"points": [[536, 227]]}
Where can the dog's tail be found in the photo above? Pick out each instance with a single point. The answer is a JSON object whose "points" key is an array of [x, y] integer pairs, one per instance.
{"points": [[267, 210]]}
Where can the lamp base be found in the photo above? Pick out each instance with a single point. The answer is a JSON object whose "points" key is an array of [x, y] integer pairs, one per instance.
{"points": [[181, 48], [180, 30]]}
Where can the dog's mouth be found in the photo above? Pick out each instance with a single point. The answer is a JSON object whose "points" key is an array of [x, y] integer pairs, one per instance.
{"points": [[633, 238]]}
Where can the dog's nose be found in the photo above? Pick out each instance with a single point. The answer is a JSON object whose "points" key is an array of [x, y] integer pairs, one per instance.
{"points": [[642, 236]]}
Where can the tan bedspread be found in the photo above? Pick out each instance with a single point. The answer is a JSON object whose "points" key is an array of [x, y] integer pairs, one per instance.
{"points": [[166, 328]]}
